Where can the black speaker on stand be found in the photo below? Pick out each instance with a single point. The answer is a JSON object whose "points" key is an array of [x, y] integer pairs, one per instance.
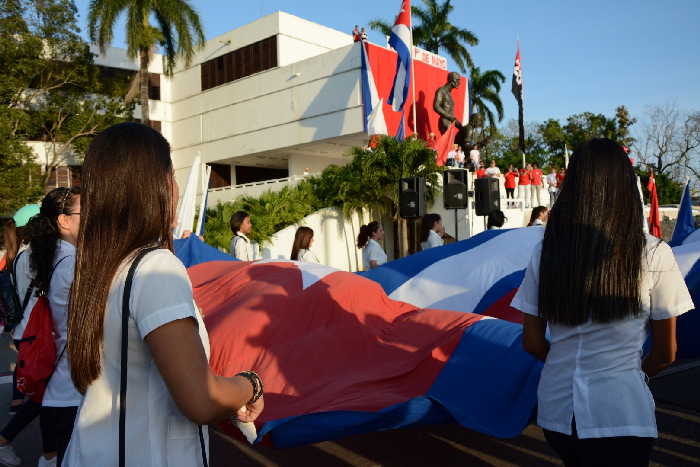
{"points": [[486, 196], [412, 197]]}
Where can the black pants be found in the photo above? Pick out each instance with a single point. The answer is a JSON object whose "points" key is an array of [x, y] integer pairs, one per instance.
{"points": [[26, 413], [510, 192], [628, 451], [56, 429]]}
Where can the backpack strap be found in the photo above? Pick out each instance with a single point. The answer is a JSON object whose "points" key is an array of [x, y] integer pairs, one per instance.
{"points": [[124, 363]]}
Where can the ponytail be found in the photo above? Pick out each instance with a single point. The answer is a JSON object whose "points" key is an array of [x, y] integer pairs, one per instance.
{"points": [[427, 224], [43, 234], [366, 232]]}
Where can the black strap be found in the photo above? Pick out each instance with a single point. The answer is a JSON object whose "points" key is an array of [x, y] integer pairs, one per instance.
{"points": [[124, 366], [125, 352]]}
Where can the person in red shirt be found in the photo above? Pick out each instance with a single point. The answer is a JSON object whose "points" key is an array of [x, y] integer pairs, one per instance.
{"points": [[560, 177], [524, 185], [536, 186], [481, 171], [510, 177]]}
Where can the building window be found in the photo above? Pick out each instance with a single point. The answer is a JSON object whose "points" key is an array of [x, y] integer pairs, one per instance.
{"points": [[247, 174], [253, 58], [154, 86], [220, 175]]}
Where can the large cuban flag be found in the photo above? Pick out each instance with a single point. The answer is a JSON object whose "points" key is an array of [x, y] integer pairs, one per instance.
{"points": [[401, 40], [482, 274], [374, 122], [338, 357]]}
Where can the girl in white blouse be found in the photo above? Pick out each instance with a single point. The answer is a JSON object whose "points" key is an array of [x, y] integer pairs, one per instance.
{"points": [[600, 285], [432, 231], [373, 254], [303, 240], [171, 388]]}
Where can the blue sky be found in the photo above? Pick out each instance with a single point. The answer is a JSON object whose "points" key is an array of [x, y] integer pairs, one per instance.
{"points": [[577, 56]]}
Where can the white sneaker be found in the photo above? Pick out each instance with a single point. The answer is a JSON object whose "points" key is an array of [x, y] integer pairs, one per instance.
{"points": [[44, 462], [8, 456]]}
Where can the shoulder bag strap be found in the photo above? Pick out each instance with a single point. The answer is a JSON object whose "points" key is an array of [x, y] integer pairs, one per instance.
{"points": [[124, 364], [124, 353]]}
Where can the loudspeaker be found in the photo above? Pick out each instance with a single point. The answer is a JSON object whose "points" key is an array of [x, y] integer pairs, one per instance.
{"points": [[454, 187], [486, 195], [412, 197]]}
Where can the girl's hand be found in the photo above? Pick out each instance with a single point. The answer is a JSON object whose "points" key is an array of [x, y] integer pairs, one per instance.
{"points": [[250, 412]]}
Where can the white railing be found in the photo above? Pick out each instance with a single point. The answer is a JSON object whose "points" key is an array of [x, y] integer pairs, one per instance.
{"points": [[230, 193]]}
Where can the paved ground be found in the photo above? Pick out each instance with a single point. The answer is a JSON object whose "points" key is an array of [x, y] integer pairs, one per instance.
{"points": [[678, 416]]}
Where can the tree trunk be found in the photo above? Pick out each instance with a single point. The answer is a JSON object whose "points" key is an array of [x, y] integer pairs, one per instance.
{"points": [[143, 86]]}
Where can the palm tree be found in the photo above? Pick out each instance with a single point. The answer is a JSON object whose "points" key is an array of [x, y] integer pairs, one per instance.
{"points": [[435, 32], [485, 88], [178, 31]]}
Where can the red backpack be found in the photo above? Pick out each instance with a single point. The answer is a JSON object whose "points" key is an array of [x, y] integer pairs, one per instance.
{"points": [[36, 360]]}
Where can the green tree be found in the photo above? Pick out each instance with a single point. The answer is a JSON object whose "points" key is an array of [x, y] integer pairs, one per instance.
{"points": [[178, 32], [51, 93], [434, 32], [582, 127], [485, 89]]}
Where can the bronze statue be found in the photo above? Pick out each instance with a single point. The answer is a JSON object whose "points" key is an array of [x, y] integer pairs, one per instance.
{"points": [[444, 105]]}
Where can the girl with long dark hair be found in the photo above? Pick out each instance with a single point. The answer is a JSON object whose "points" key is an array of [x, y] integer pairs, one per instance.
{"points": [[368, 239], [538, 216], [431, 231], [240, 243], [303, 239], [599, 283], [46, 268], [170, 386]]}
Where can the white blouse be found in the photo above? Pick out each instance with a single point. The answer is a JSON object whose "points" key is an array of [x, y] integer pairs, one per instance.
{"points": [[157, 433], [241, 248], [373, 251], [307, 256], [433, 240], [593, 370]]}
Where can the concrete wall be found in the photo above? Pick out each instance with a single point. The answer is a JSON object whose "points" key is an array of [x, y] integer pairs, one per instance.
{"points": [[273, 109], [334, 239]]}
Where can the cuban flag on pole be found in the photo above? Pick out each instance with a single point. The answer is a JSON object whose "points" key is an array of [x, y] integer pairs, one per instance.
{"points": [[685, 222], [401, 40], [374, 121]]}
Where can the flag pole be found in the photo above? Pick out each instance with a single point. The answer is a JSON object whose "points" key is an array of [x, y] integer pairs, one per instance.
{"points": [[413, 77]]}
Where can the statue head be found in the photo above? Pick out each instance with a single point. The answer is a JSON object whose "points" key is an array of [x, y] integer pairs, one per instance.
{"points": [[453, 79]]}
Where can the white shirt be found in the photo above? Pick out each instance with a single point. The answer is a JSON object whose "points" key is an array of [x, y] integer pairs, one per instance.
{"points": [[459, 156], [452, 154], [537, 221], [493, 171], [593, 370], [307, 256], [433, 240], [241, 248], [475, 157], [373, 251], [157, 433], [552, 182], [60, 392]]}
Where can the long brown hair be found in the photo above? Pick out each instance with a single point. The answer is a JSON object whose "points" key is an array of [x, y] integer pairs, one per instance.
{"points": [[11, 242], [594, 243], [126, 204], [302, 240]]}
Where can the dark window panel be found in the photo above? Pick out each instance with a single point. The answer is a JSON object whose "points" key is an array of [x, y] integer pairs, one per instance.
{"points": [[237, 64], [154, 86], [220, 175]]}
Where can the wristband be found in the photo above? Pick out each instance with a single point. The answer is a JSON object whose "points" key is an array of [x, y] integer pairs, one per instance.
{"points": [[254, 381]]}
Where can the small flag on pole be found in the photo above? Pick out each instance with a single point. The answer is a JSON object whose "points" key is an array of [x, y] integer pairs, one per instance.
{"points": [[517, 82], [654, 216], [685, 222], [374, 121], [402, 41]]}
